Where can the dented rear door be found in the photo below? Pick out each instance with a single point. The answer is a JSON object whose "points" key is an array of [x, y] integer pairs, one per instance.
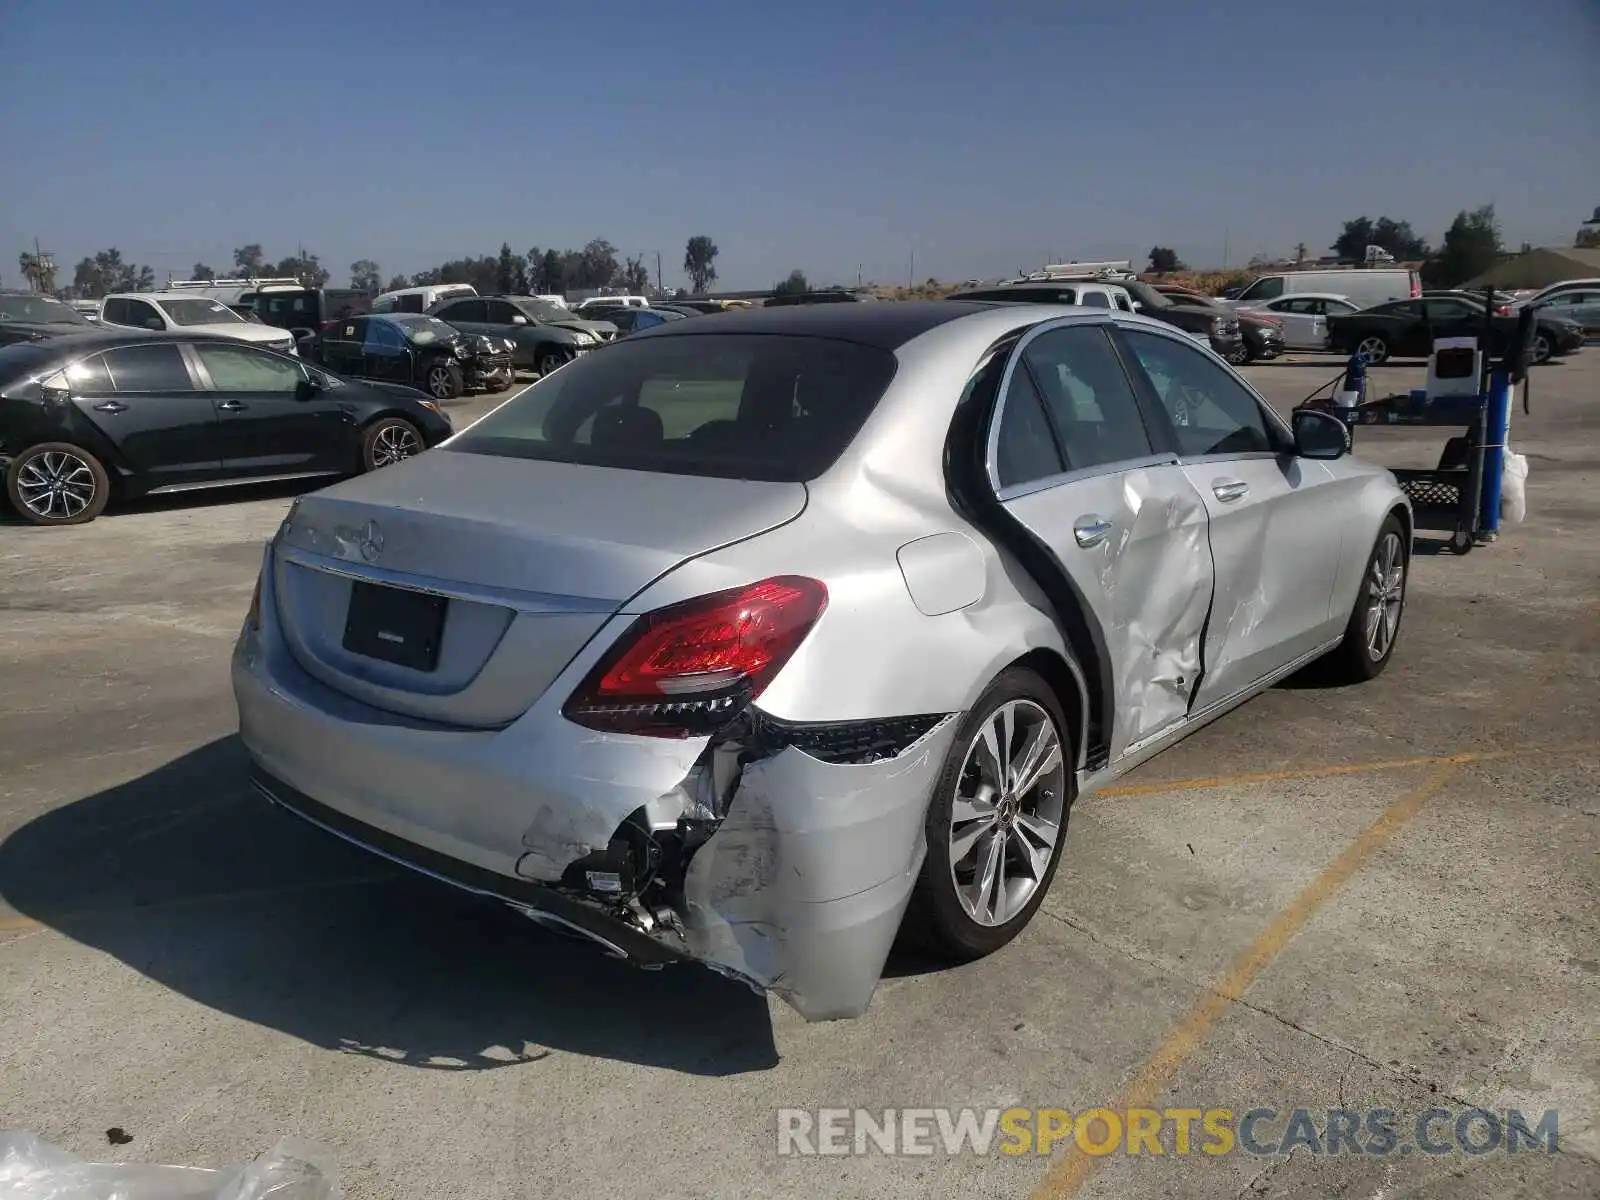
{"points": [[1072, 458]]}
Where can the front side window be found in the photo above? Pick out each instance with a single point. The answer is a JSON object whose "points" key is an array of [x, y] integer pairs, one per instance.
{"points": [[148, 369], [241, 369], [740, 406], [1095, 300], [144, 315], [1210, 411]]}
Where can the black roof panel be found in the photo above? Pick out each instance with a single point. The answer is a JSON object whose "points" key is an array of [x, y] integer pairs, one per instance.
{"points": [[886, 326]]}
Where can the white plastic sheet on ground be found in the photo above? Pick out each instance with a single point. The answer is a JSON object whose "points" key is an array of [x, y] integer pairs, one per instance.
{"points": [[1514, 488], [33, 1169]]}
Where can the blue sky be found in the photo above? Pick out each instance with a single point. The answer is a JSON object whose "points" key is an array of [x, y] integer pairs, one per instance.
{"points": [[829, 136]]}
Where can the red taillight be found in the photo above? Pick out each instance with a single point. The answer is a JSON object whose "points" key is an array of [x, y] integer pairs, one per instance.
{"points": [[1503, 310], [1416, 288], [689, 667]]}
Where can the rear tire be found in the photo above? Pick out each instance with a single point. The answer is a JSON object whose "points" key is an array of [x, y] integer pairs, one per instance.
{"points": [[1542, 349], [981, 827], [1374, 349], [57, 483], [1374, 625]]}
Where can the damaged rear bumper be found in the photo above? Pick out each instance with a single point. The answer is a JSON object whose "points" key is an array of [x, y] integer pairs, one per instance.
{"points": [[781, 855]]}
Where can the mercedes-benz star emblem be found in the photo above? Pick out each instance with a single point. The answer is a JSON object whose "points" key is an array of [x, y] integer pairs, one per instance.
{"points": [[371, 543]]}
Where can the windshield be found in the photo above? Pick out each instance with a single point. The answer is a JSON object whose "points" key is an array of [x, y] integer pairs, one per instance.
{"points": [[423, 330], [736, 406], [199, 312], [543, 310], [39, 310]]}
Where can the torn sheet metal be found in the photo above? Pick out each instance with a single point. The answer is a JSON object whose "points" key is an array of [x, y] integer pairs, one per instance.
{"points": [[801, 889]]}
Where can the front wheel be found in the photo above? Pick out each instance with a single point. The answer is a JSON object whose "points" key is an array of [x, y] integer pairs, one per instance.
{"points": [[389, 441], [1240, 355], [551, 361], [445, 381], [1374, 625], [1542, 350], [997, 821], [56, 483]]}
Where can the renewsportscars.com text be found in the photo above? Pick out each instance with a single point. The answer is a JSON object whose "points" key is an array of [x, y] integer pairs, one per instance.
{"points": [[1260, 1131]]}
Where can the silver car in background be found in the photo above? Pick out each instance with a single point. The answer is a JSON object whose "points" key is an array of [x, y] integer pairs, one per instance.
{"points": [[760, 641]]}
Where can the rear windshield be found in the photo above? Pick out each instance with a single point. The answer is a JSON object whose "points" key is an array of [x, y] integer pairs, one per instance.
{"points": [[770, 407]]}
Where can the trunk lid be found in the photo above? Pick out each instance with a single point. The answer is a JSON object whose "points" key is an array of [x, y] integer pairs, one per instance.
{"points": [[497, 570]]}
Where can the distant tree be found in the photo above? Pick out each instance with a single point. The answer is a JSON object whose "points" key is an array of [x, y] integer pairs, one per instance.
{"points": [[699, 262], [201, 271], [1589, 232], [307, 268], [635, 275], [396, 282], [249, 260], [511, 272], [1164, 260], [39, 270], [1397, 237], [1471, 247], [795, 285], [364, 275], [597, 264], [553, 274], [106, 272]]}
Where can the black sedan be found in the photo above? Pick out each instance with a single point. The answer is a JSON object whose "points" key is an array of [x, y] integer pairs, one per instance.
{"points": [[416, 350], [130, 413], [1407, 329], [29, 317]]}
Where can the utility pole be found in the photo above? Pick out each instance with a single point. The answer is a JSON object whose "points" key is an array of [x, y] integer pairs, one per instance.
{"points": [[1225, 247], [859, 267], [911, 271], [659, 288]]}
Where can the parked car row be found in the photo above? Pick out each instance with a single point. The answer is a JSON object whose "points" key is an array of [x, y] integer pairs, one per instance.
{"points": [[92, 414]]}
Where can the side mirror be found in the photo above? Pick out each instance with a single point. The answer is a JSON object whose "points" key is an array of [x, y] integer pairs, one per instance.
{"points": [[1137, 307], [154, 323], [306, 389], [1319, 434], [519, 319]]}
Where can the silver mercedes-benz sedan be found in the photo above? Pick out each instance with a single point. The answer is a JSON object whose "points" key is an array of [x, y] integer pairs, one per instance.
{"points": [[761, 641]]}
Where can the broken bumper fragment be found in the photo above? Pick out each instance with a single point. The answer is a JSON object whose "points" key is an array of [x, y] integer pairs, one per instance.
{"points": [[781, 855]]}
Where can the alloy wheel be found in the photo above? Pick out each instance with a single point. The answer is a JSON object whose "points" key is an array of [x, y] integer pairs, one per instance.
{"points": [[1007, 813], [55, 485], [1373, 349], [1386, 593], [394, 443], [1541, 349], [439, 382]]}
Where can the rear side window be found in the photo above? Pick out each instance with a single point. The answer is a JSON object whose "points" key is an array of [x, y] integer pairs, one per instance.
{"points": [[148, 369], [1088, 396], [738, 406], [411, 302], [1095, 300]]}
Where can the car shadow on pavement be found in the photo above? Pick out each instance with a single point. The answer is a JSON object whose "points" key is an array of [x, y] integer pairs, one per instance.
{"points": [[191, 879]]}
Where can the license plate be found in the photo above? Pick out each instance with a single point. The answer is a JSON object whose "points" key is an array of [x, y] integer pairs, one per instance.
{"points": [[395, 625]]}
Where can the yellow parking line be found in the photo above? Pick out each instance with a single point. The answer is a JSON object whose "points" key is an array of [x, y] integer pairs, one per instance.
{"points": [[1068, 1176], [21, 924], [1156, 787]]}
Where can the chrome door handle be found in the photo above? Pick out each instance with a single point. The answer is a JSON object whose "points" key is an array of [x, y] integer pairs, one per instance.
{"points": [[1091, 530], [111, 406], [1229, 490], [232, 406]]}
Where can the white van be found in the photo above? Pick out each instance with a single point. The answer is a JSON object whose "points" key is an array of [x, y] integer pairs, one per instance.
{"points": [[614, 302], [421, 299], [1364, 286]]}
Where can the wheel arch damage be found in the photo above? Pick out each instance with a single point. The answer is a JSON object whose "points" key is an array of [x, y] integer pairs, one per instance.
{"points": [[783, 858]]}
